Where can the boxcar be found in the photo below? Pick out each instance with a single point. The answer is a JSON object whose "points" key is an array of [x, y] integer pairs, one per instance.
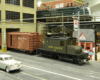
{"points": [[24, 41]]}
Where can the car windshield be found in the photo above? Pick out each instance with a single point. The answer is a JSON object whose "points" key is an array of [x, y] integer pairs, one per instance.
{"points": [[8, 58]]}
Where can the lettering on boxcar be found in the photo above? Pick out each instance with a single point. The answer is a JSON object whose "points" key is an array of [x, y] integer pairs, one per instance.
{"points": [[22, 39]]}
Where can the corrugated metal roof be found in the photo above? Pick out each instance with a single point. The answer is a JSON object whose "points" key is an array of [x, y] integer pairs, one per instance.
{"points": [[88, 33]]}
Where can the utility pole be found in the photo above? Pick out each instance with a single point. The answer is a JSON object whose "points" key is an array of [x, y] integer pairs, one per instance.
{"points": [[95, 33], [78, 27], [95, 45], [62, 23]]}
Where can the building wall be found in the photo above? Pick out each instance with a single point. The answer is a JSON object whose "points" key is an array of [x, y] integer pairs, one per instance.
{"points": [[59, 4], [86, 45], [23, 26]]}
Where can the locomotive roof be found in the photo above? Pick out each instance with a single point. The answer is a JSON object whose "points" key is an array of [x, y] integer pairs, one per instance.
{"points": [[58, 38], [64, 8]]}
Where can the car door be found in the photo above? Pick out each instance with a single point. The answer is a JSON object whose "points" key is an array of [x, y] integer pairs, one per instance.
{"points": [[1, 62]]}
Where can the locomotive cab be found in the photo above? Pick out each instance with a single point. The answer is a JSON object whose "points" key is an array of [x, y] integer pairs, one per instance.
{"points": [[58, 44]]}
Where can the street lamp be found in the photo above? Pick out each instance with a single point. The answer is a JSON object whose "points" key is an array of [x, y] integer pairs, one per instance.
{"points": [[95, 32]]}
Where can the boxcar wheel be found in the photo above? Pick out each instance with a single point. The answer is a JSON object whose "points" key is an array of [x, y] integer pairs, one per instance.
{"points": [[34, 52], [27, 52], [40, 54]]}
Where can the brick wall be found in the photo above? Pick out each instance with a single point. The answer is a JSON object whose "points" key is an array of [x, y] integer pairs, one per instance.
{"points": [[60, 3]]}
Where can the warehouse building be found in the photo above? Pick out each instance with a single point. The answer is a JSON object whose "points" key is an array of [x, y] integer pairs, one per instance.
{"points": [[16, 15]]}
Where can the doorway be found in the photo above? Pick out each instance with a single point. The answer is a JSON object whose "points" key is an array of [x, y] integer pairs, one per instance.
{"points": [[82, 45]]}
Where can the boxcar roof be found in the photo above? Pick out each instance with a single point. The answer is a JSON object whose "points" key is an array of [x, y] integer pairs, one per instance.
{"points": [[22, 33], [58, 38]]}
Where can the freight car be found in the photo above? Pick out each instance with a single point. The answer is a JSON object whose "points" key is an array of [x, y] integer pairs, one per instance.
{"points": [[24, 41], [63, 48]]}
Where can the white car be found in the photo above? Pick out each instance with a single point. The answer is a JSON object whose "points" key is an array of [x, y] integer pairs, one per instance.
{"points": [[8, 63]]}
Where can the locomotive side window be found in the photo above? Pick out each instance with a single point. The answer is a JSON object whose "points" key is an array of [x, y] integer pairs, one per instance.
{"points": [[71, 41], [61, 43], [68, 41], [74, 42]]}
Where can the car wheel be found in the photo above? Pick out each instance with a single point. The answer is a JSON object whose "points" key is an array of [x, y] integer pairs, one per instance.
{"points": [[7, 69]]}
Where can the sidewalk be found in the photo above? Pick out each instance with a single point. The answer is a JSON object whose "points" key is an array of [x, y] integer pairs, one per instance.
{"points": [[98, 56]]}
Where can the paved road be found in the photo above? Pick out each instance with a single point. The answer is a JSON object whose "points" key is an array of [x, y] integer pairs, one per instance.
{"points": [[43, 68]]}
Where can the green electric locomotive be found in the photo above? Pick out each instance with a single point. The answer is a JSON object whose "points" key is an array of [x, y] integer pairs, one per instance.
{"points": [[63, 48]]}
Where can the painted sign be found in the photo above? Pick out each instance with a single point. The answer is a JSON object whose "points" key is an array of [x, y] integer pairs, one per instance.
{"points": [[82, 37], [59, 5], [75, 25]]}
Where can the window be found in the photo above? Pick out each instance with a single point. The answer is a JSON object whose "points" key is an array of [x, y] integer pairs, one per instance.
{"points": [[10, 58], [51, 6], [6, 58], [42, 7], [88, 48], [74, 41], [45, 7], [15, 2], [68, 42], [98, 40], [48, 7], [1, 59], [28, 3], [67, 4], [28, 17], [61, 43], [10, 15], [71, 4], [71, 41]]}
